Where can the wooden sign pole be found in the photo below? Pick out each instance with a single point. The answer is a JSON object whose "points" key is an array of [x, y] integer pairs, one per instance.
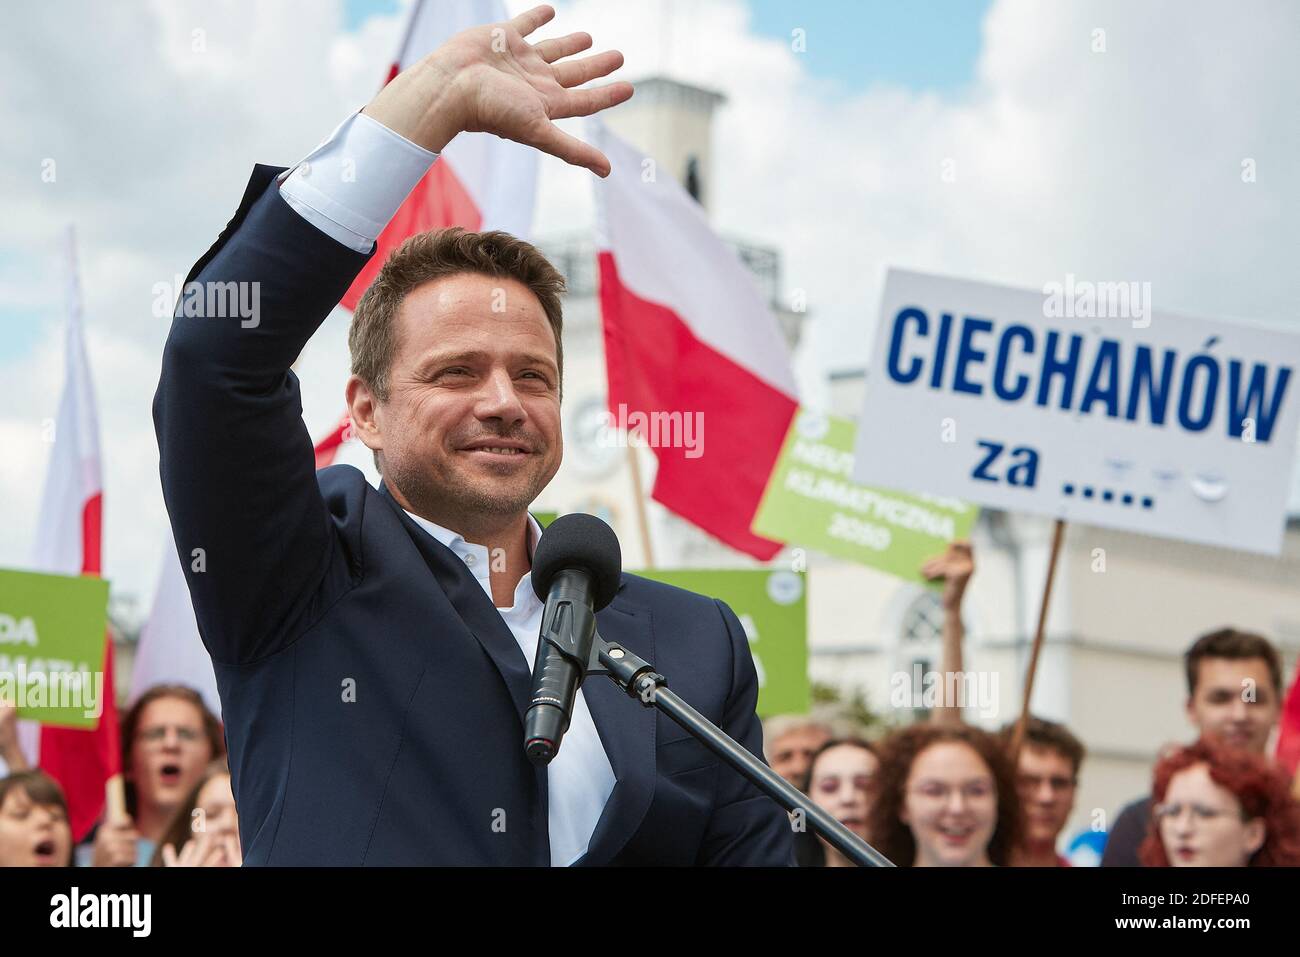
{"points": [[1018, 736]]}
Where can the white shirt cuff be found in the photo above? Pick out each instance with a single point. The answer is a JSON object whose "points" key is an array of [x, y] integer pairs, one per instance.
{"points": [[351, 185]]}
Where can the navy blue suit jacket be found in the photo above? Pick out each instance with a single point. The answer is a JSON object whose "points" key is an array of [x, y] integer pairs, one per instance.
{"points": [[310, 584]]}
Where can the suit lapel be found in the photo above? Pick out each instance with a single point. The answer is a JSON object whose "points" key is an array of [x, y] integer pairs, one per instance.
{"points": [[475, 609], [627, 732]]}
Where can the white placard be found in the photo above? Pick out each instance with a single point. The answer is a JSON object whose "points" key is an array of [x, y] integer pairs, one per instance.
{"points": [[1080, 402]]}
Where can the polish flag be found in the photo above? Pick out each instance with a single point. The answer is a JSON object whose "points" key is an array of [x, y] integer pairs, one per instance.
{"points": [[68, 539], [687, 333], [170, 649], [1288, 739], [480, 181]]}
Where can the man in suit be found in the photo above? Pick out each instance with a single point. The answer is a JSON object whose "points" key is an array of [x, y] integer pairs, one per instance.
{"points": [[373, 647]]}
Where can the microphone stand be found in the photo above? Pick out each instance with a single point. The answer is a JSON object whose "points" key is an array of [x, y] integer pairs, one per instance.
{"points": [[641, 681]]}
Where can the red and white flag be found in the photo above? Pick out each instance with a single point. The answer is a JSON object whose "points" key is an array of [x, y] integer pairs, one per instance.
{"points": [[68, 542], [688, 334], [480, 181], [1288, 738]]}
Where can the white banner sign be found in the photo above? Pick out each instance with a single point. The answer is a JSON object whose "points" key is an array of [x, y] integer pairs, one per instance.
{"points": [[1079, 402]]}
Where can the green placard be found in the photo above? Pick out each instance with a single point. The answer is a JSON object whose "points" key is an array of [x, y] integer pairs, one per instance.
{"points": [[52, 646], [772, 606], [545, 518], [812, 501]]}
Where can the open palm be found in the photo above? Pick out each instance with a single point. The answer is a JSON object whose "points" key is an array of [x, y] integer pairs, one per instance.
{"points": [[490, 79]]}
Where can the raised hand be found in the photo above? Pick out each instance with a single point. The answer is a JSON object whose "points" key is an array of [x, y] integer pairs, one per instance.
{"points": [[490, 79], [9, 750], [954, 568]]}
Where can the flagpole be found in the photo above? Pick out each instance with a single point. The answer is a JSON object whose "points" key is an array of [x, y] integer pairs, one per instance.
{"points": [[638, 496], [1018, 736]]}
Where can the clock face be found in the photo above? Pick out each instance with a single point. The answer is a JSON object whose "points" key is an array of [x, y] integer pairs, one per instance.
{"points": [[597, 446]]}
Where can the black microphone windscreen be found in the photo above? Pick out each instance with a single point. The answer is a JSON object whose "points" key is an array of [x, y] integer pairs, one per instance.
{"points": [[579, 541]]}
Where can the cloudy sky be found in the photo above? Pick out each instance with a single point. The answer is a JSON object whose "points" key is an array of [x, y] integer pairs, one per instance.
{"points": [[1122, 164]]}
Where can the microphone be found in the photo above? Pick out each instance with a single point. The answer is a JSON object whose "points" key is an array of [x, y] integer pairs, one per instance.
{"points": [[576, 569]]}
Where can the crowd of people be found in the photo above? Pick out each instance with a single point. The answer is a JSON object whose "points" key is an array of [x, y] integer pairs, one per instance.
{"points": [[938, 793], [179, 806], [948, 794]]}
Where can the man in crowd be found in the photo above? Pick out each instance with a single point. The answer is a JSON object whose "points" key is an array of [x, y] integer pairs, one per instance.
{"points": [[790, 741], [1047, 775], [1234, 694]]}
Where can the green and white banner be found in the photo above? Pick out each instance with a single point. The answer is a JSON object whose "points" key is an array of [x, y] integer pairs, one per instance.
{"points": [[52, 646], [812, 502], [772, 606]]}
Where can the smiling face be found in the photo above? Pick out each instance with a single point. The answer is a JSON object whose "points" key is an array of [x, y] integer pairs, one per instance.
{"points": [[31, 834], [1201, 823], [1235, 702], [951, 806], [841, 782], [169, 753], [471, 424]]}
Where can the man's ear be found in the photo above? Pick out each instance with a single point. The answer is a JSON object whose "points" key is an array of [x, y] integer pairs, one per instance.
{"points": [[364, 408]]}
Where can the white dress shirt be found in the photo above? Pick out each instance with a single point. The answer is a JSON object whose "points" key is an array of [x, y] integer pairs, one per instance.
{"points": [[349, 187], [579, 779]]}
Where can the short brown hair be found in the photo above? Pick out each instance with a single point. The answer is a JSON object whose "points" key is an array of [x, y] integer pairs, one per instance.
{"points": [[1051, 735], [900, 750], [1234, 644], [39, 787], [372, 338], [42, 790]]}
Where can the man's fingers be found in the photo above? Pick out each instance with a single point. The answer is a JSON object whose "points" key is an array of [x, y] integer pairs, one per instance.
{"points": [[587, 102], [552, 50], [578, 72], [530, 20], [551, 139]]}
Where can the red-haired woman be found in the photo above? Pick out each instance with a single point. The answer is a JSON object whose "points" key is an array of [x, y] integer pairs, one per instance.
{"points": [[1218, 807]]}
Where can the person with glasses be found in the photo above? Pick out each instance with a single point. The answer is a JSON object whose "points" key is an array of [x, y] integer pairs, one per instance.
{"points": [[841, 779], [1234, 695], [945, 797], [1047, 777], [168, 737], [1217, 806]]}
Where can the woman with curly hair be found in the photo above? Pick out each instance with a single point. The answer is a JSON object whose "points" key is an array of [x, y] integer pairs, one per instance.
{"points": [[1219, 807], [945, 797]]}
